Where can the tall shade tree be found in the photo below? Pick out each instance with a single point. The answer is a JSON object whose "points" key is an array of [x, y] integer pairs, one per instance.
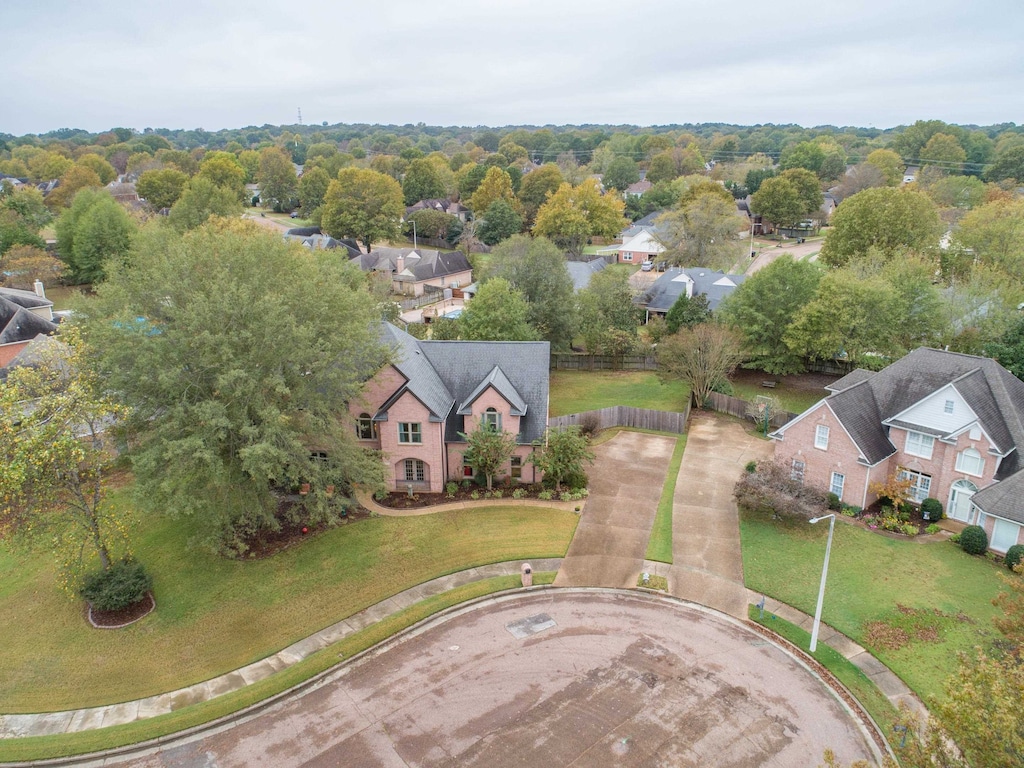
{"points": [[807, 154], [889, 163], [364, 205], [1008, 164], [762, 308], [702, 233], [995, 234], [488, 451], [565, 454], [808, 187], [945, 152], [22, 215], [277, 180], [224, 170], [621, 172], [312, 189], [496, 185], [608, 319], [536, 186], [572, 215], [499, 221], [849, 318], [161, 188], [702, 356], [1009, 350], [77, 178], [237, 353], [93, 233], [536, 268], [200, 200], [497, 313], [687, 311], [56, 458], [422, 182], [103, 169], [778, 200], [886, 218], [22, 265]]}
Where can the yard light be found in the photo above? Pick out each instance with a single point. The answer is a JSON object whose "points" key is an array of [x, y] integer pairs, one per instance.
{"points": [[824, 573]]}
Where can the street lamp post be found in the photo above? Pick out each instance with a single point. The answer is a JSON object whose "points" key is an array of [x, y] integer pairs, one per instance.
{"points": [[824, 573]]}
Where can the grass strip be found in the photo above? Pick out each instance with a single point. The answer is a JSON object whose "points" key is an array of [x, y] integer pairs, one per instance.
{"points": [[849, 674], [659, 547], [65, 745]]}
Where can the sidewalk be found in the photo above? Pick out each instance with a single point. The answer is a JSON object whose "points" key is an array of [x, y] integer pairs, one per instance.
{"points": [[72, 721]]}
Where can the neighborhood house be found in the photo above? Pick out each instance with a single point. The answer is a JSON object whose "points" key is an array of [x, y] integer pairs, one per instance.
{"points": [[951, 424], [415, 408]]}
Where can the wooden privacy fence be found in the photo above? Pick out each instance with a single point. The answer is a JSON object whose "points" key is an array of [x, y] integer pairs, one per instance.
{"points": [[567, 361], [733, 405], [625, 416]]}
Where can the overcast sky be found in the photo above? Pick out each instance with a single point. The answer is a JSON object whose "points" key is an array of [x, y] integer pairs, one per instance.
{"points": [[96, 64]]}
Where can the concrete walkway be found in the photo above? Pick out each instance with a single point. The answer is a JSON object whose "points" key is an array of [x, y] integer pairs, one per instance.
{"points": [[71, 721], [625, 486]]}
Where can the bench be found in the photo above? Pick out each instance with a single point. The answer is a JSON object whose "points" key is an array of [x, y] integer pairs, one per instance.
{"points": [[769, 384]]}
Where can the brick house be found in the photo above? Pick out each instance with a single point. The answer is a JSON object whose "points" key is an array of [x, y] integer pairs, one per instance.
{"points": [[414, 409], [952, 424], [24, 315]]}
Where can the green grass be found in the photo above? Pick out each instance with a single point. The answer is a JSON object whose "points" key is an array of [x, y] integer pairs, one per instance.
{"points": [[793, 400], [215, 615], [62, 295], [933, 592], [659, 547], [576, 391], [860, 685], [38, 748]]}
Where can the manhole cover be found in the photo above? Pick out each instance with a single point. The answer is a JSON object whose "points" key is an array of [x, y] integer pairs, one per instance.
{"points": [[531, 625]]}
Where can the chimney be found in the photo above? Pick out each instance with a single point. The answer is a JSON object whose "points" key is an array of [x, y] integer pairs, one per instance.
{"points": [[399, 264], [40, 290]]}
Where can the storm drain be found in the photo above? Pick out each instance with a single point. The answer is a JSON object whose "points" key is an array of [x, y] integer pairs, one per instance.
{"points": [[531, 625]]}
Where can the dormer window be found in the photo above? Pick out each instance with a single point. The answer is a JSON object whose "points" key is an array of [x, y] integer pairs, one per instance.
{"points": [[920, 444], [491, 420], [948, 407]]}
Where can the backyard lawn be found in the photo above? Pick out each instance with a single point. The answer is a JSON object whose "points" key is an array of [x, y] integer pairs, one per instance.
{"points": [[577, 391], [215, 615], [912, 604]]}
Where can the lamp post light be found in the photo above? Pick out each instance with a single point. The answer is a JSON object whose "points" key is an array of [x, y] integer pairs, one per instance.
{"points": [[824, 573]]}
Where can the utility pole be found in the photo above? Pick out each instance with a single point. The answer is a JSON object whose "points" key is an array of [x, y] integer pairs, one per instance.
{"points": [[300, 115]]}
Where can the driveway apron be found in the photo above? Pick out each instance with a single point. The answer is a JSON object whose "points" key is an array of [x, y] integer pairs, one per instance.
{"points": [[707, 567], [625, 486]]}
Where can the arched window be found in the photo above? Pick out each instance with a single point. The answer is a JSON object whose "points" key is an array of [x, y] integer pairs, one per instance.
{"points": [[492, 420], [364, 427], [969, 461], [415, 471]]}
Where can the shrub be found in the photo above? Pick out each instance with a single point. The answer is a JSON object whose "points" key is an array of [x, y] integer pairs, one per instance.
{"points": [[566, 496], [451, 489], [772, 489], [751, 467], [933, 528], [474, 495], [910, 529], [954, 539], [498, 493], [1014, 555], [123, 584], [545, 495], [590, 424], [518, 493], [834, 503], [931, 509], [974, 540]]}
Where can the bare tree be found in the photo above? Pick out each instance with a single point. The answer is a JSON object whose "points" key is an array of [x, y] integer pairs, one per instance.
{"points": [[702, 355]]}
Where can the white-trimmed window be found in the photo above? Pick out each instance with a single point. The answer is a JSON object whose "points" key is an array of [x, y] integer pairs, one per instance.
{"points": [[919, 444], [409, 432], [837, 483], [920, 484], [947, 407], [415, 471], [516, 467], [491, 420], [796, 472], [1004, 534], [821, 437], [364, 427], [970, 462], [627, 256], [467, 471]]}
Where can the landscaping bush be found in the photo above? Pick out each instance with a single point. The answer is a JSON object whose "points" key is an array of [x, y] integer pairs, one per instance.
{"points": [[772, 489], [834, 503], [933, 528], [974, 540], [451, 489], [1014, 555], [590, 424], [751, 466], [123, 584], [931, 509]]}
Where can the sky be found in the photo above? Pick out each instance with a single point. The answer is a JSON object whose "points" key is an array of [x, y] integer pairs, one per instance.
{"points": [[212, 64]]}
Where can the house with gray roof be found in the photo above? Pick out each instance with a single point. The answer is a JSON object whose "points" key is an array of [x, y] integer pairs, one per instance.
{"points": [[693, 281], [952, 425], [412, 269], [416, 409], [582, 271], [24, 315]]}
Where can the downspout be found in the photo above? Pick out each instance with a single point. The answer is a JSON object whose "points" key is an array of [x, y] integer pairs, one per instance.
{"points": [[444, 456], [867, 480]]}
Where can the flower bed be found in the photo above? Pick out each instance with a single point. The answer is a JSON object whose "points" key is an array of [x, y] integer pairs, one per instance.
{"points": [[456, 492]]}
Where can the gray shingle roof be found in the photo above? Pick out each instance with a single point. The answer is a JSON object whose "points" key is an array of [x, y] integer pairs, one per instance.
{"points": [[17, 323], [1003, 499], [423, 264], [442, 374], [582, 271], [856, 376], [664, 292]]}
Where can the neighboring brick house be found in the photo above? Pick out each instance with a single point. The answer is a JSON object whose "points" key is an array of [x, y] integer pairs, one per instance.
{"points": [[414, 409], [666, 290], [412, 269], [643, 246], [952, 424], [24, 315]]}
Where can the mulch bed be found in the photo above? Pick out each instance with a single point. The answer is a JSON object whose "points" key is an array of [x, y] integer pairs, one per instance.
{"points": [[123, 617], [402, 500], [268, 542]]}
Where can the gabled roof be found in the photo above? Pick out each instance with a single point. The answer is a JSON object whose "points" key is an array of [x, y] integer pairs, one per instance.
{"points": [[646, 223], [418, 264], [856, 376], [1003, 499], [672, 284], [582, 271], [442, 374], [644, 240], [17, 323]]}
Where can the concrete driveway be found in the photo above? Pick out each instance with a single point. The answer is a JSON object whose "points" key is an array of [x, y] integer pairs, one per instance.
{"points": [[552, 678], [625, 486]]}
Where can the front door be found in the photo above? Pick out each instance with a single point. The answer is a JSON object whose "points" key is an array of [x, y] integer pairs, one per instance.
{"points": [[960, 500]]}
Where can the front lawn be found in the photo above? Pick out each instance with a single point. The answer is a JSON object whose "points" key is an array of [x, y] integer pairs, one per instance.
{"points": [[912, 604], [577, 391], [215, 615]]}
